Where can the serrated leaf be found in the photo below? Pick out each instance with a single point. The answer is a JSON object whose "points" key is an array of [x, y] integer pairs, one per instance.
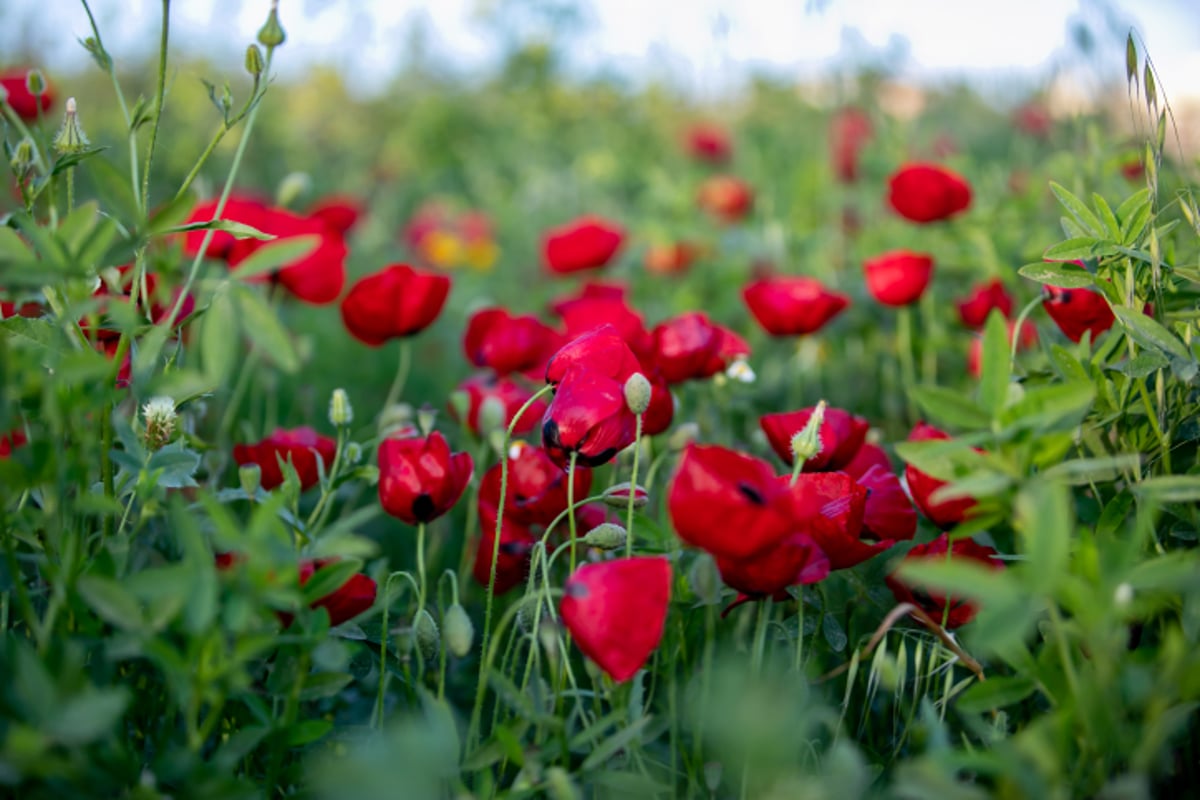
{"points": [[265, 330], [274, 255], [1063, 276], [1149, 333]]}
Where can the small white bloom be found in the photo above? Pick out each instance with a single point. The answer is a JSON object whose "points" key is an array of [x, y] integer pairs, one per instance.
{"points": [[741, 371]]}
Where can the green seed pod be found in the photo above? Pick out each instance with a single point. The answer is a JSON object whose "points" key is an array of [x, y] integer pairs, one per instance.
{"points": [[340, 411], [35, 82], [637, 393], [254, 60], [428, 637], [460, 631], [271, 34], [606, 536], [22, 159], [617, 496], [250, 477]]}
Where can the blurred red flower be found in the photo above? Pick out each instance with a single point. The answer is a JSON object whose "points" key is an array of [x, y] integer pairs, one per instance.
{"points": [[961, 612], [15, 84], [506, 343], [899, 277], [395, 302], [725, 197], [510, 395], [789, 305], [849, 131], [928, 193], [301, 446], [589, 242], [708, 142], [841, 435], [946, 513], [974, 309]]}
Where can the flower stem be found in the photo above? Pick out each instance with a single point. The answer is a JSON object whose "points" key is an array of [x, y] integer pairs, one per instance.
{"points": [[159, 97], [571, 504], [908, 367], [633, 477], [402, 369]]}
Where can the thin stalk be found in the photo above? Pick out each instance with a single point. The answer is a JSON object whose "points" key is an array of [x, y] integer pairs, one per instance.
{"points": [[377, 720], [908, 367], [401, 378], [637, 452], [571, 504], [159, 97]]}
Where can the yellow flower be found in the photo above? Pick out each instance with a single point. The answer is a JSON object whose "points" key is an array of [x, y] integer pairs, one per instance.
{"points": [[442, 249]]}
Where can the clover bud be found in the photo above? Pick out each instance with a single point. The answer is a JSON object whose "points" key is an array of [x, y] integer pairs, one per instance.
{"points": [[683, 435], [71, 138], [159, 417], [617, 496], [491, 415], [460, 631], [271, 34], [254, 60], [250, 477], [606, 536], [637, 393], [807, 442], [35, 82], [341, 413], [22, 159], [293, 186], [428, 638]]}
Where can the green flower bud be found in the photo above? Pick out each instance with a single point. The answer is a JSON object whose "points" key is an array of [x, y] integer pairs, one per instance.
{"points": [[293, 186], [271, 34], [341, 413], [426, 417], [807, 442], [617, 496], [606, 536], [491, 415], [71, 138], [460, 631], [428, 638], [367, 472], [250, 477], [637, 393], [35, 82], [254, 60], [460, 404], [683, 435], [22, 159]]}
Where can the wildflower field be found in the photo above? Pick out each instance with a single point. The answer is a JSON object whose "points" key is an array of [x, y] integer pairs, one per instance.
{"points": [[538, 437]]}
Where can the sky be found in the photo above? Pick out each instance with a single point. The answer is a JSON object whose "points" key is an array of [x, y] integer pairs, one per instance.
{"points": [[706, 47]]}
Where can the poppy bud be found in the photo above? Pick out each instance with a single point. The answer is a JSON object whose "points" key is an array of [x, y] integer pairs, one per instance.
{"points": [[395, 418], [159, 417], [637, 393], [271, 34], [426, 417], [617, 496], [341, 413], [250, 477], [806, 444], [460, 631], [71, 138], [491, 414], [427, 636], [35, 82], [353, 452], [22, 159], [606, 536], [254, 60]]}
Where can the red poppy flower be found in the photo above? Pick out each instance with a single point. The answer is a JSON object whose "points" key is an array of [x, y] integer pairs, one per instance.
{"points": [[670, 259], [725, 197], [961, 612], [709, 143], [974, 309], [510, 395], [11, 441], [792, 305], [841, 435], [160, 304], [301, 446], [395, 302], [1133, 169], [339, 212], [849, 132], [245, 209], [1078, 311], [537, 486], [601, 350], [728, 503], [346, 602], [598, 305], [921, 486], [516, 543], [831, 506], [928, 193], [1027, 339], [16, 84], [616, 611], [796, 560], [588, 416], [869, 455], [1034, 119], [889, 514], [419, 478], [494, 338], [30, 310], [898, 277], [589, 242], [690, 346]]}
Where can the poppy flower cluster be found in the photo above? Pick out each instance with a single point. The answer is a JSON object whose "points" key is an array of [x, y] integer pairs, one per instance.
{"points": [[316, 278], [299, 446]]}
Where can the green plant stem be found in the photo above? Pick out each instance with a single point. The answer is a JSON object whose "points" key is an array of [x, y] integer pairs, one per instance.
{"points": [[377, 721], [908, 367], [760, 635], [70, 189], [470, 527], [800, 632], [420, 590], [401, 378], [571, 504], [633, 477], [279, 749], [321, 509], [159, 97]]}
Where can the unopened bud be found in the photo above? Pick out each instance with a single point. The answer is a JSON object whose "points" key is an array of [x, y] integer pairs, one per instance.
{"points": [[426, 417], [271, 34], [683, 435], [491, 415], [460, 404], [353, 452], [250, 477], [35, 82], [22, 159], [807, 442], [460, 631], [159, 417], [226, 100], [394, 419], [606, 536], [617, 496], [254, 60], [637, 393], [427, 635], [525, 618], [341, 413], [293, 186], [70, 138]]}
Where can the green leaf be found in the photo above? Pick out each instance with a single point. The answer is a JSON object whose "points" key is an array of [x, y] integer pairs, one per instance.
{"points": [[835, 634], [1077, 209], [985, 483], [219, 337], [325, 684], [237, 230], [88, 716], [1062, 275], [273, 256], [948, 407], [111, 602], [610, 746], [1149, 333], [960, 577], [13, 247], [177, 465], [1080, 471], [265, 330], [1049, 407], [329, 578], [173, 213], [1170, 488], [1080, 248], [1131, 60], [1144, 364], [993, 383], [995, 693], [1044, 519], [73, 159], [1106, 216], [307, 731], [1137, 217], [1067, 365]]}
